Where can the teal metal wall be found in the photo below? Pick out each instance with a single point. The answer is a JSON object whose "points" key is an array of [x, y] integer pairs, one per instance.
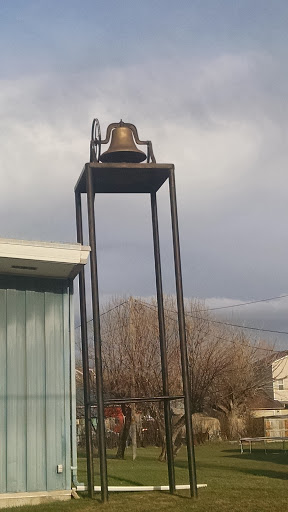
{"points": [[34, 384]]}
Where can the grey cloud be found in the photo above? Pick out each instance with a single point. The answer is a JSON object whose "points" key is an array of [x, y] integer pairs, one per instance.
{"points": [[221, 121]]}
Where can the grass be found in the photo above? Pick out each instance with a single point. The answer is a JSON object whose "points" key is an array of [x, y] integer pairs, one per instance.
{"points": [[236, 483]]}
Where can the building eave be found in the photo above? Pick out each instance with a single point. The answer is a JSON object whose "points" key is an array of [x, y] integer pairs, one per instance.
{"points": [[42, 259]]}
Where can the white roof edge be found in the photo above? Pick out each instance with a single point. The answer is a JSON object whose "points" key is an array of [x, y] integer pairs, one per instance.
{"points": [[62, 253], [23, 257], [37, 243]]}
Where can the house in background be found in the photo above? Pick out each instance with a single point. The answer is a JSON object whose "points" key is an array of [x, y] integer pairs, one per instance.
{"points": [[263, 406], [269, 408], [280, 379]]}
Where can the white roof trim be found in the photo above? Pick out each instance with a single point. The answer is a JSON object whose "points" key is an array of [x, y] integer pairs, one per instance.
{"points": [[277, 360], [46, 259]]}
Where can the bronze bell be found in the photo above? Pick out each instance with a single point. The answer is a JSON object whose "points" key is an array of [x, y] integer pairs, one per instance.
{"points": [[122, 148]]}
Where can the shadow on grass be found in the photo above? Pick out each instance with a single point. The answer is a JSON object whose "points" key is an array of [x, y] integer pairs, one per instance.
{"points": [[183, 496], [269, 473], [82, 455], [84, 495], [121, 479], [277, 457]]}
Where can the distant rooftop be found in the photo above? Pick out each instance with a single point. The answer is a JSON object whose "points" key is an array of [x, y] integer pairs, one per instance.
{"points": [[263, 401]]}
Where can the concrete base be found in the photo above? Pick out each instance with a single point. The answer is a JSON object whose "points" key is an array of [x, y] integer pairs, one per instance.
{"points": [[32, 498]]}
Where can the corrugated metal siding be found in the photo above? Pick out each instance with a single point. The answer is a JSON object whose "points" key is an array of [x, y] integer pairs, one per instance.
{"points": [[34, 385]]}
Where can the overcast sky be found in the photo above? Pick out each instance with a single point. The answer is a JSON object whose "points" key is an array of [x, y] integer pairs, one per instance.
{"points": [[206, 81]]}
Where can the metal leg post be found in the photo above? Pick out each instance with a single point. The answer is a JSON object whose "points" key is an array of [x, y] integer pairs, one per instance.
{"points": [[182, 337], [85, 357], [162, 338], [97, 338]]}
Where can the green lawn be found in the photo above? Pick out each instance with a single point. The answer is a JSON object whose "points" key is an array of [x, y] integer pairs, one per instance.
{"points": [[240, 483]]}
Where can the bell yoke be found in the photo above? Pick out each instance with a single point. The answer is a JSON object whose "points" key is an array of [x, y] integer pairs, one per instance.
{"points": [[123, 147]]}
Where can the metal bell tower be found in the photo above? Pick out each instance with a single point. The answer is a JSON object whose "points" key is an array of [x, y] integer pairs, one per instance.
{"points": [[120, 170]]}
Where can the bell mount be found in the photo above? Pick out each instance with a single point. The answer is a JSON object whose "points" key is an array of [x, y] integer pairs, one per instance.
{"points": [[130, 154]]}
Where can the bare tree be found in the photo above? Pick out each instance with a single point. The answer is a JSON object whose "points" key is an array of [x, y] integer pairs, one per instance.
{"points": [[131, 359], [244, 377], [222, 362]]}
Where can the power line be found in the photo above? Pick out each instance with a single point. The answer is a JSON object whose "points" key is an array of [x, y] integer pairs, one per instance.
{"points": [[236, 325], [217, 337], [219, 322], [115, 307], [208, 319], [246, 303], [104, 313], [150, 306]]}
